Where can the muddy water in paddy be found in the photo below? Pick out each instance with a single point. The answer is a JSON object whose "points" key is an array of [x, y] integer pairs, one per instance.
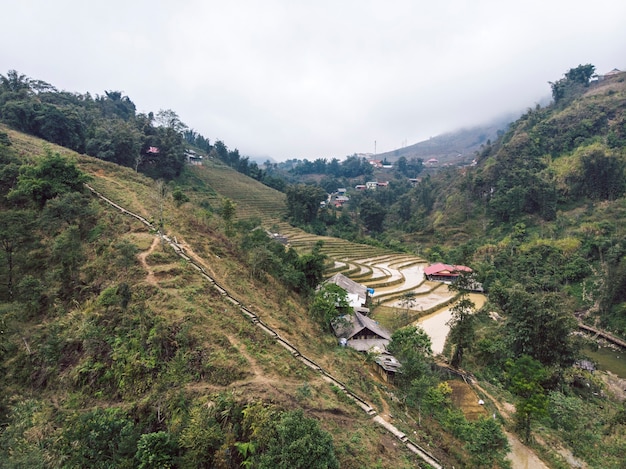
{"points": [[435, 324]]}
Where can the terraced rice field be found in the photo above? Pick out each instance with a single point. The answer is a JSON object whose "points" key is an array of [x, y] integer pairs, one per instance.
{"points": [[392, 275], [253, 199]]}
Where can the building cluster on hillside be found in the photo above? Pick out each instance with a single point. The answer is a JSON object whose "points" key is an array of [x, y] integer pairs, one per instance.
{"points": [[371, 185], [361, 332]]}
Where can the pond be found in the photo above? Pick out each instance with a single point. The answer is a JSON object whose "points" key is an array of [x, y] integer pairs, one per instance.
{"points": [[608, 359]]}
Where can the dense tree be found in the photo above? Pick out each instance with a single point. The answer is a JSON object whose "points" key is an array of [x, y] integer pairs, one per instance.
{"points": [[537, 326], [329, 305], [100, 438], [412, 347], [462, 328], [115, 140], [488, 445], [575, 79], [51, 176], [372, 214], [15, 230], [312, 266], [525, 376], [297, 441], [603, 175], [303, 202], [114, 104]]}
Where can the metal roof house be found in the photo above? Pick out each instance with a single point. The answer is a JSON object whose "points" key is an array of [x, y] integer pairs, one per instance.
{"points": [[362, 333], [357, 293], [445, 272]]}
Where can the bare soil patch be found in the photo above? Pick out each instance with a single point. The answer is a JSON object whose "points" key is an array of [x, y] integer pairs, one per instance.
{"points": [[150, 277], [465, 398]]}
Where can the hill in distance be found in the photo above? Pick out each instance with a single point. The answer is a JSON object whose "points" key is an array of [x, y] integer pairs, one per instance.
{"points": [[456, 147]]}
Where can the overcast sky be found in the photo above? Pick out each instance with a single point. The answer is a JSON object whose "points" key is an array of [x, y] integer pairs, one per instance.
{"points": [[319, 78]]}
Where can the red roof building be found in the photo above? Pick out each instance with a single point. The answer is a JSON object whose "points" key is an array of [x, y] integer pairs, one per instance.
{"points": [[445, 272]]}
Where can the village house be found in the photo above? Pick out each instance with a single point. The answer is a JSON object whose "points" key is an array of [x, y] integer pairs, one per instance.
{"points": [[361, 333], [358, 295], [193, 158], [340, 200], [440, 272]]}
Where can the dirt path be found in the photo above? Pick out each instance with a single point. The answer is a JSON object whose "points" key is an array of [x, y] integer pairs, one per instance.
{"points": [[150, 277], [520, 455]]}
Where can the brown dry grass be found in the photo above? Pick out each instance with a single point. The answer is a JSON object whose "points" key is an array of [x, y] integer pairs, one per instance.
{"points": [[465, 398]]}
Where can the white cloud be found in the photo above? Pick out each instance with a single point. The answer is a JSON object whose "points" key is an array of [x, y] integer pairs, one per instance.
{"points": [[293, 78]]}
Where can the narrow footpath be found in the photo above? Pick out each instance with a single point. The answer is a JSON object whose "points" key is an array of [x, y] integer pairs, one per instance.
{"points": [[363, 404]]}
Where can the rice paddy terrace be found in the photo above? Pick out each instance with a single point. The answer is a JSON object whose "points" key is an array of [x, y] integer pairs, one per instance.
{"points": [[253, 199], [390, 274]]}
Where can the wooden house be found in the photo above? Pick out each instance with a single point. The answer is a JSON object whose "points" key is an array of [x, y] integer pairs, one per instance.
{"points": [[362, 333], [387, 366]]}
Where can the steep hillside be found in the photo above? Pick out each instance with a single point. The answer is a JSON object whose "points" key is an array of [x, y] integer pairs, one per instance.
{"points": [[118, 351], [149, 323]]}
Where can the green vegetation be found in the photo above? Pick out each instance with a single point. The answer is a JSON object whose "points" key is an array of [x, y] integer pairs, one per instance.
{"points": [[115, 352]]}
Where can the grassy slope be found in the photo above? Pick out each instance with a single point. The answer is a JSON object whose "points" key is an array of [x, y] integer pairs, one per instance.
{"points": [[242, 359]]}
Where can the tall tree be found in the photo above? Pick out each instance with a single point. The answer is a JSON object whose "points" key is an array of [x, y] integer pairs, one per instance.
{"points": [[15, 230], [525, 376], [462, 328]]}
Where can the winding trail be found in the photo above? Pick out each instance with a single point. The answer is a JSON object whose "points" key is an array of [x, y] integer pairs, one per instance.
{"points": [[150, 277], [412, 446]]}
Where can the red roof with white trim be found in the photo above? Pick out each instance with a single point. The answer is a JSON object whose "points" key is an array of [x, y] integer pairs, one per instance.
{"points": [[446, 270]]}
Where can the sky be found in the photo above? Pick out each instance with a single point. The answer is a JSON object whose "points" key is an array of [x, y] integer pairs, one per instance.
{"points": [[281, 79]]}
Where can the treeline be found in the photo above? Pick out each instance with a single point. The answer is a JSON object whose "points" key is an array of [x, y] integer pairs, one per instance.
{"points": [[352, 167], [108, 127]]}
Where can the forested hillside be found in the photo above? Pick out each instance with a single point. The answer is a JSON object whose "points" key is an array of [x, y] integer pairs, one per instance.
{"points": [[116, 351]]}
